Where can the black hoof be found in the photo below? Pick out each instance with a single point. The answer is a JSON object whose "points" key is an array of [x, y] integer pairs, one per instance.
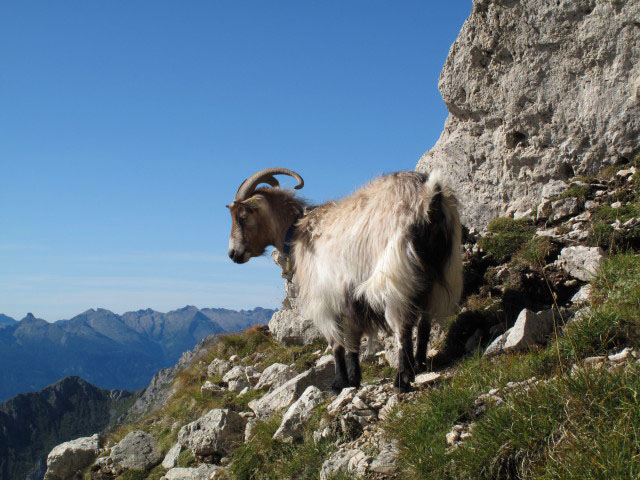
{"points": [[336, 386], [402, 382]]}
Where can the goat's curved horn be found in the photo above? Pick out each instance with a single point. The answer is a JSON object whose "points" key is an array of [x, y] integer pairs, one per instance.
{"points": [[265, 176]]}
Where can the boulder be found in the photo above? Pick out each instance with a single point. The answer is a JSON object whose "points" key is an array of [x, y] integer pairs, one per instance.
{"points": [[136, 451], [213, 433], [171, 458], [68, 458], [237, 379], [530, 328], [275, 375], [563, 208], [536, 92], [218, 367], [300, 412], [320, 375], [580, 262]]}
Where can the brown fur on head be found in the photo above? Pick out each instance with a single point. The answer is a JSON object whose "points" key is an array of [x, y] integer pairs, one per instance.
{"points": [[251, 231], [260, 221]]}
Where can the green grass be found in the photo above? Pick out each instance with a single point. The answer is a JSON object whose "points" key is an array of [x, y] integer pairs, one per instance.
{"points": [[506, 235], [263, 458], [581, 192], [534, 252], [585, 426]]}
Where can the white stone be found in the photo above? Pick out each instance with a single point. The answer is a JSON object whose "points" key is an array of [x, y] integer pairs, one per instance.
{"points": [[427, 378], [300, 412], [202, 472], [68, 458], [171, 457], [583, 295], [619, 357], [563, 208], [213, 433], [282, 397], [580, 262], [343, 399], [275, 375], [218, 367], [530, 328], [137, 450]]}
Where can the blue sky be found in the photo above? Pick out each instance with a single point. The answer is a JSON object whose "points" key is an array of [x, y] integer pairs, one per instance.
{"points": [[125, 127]]}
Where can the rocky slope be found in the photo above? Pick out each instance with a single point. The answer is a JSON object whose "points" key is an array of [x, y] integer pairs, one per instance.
{"points": [[108, 350], [32, 423], [551, 305], [536, 91]]}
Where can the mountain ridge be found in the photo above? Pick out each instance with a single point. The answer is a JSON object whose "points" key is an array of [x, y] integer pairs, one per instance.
{"points": [[108, 350]]}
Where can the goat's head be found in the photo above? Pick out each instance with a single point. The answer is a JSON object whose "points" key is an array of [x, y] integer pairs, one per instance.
{"points": [[252, 228]]}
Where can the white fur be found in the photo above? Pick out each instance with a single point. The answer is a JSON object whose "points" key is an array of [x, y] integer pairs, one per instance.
{"points": [[361, 244]]}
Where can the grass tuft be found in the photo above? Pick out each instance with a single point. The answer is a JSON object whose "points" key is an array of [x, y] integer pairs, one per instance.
{"points": [[506, 235]]}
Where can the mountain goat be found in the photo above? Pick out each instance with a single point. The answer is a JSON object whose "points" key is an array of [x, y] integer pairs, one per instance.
{"points": [[386, 257]]}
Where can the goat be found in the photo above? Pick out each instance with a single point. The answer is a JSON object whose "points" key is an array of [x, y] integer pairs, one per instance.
{"points": [[386, 257]]}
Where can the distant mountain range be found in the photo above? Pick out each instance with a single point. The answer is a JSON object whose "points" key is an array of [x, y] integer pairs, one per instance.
{"points": [[110, 351]]}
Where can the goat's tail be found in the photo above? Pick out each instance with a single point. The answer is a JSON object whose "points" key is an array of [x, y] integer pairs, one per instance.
{"points": [[439, 248]]}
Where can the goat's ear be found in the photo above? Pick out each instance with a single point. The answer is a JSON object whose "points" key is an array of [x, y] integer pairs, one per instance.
{"points": [[253, 202]]}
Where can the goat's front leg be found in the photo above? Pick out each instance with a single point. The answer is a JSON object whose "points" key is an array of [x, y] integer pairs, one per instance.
{"points": [[424, 332], [406, 362]]}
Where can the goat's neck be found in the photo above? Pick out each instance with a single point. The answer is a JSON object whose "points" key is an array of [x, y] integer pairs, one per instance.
{"points": [[287, 214], [282, 226]]}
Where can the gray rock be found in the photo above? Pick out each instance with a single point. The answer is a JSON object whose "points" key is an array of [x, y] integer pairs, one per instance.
{"points": [[275, 375], [209, 387], [218, 367], [583, 295], [236, 379], [321, 375], [530, 328], [580, 262], [385, 462], [536, 92], [214, 433], [553, 188], [338, 462], [202, 472], [563, 208], [300, 412], [137, 450], [287, 325], [68, 458], [171, 457]]}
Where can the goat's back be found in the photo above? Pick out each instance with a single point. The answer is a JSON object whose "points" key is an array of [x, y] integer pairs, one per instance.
{"points": [[365, 245]]}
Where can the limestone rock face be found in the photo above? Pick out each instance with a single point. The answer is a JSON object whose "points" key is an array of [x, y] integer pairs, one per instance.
{"points": [[65, 460], [136, 451], [213, 433], [287, 325], [536, 92]]}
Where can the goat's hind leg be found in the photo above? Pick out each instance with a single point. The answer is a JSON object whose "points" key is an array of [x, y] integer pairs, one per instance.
{"points": [[353, 338], [424, 332]]}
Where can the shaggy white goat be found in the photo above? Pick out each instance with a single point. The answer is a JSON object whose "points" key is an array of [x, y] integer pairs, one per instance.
{"points": [[387, 256]]}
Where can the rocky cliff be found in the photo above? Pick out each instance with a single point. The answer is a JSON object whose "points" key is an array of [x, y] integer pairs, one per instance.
{"points": [[32, 423], [536, 91]]}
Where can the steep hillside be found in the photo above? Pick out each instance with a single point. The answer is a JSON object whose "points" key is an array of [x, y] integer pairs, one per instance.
{"points": [[108, 350], [33, 423], [536, 377]]}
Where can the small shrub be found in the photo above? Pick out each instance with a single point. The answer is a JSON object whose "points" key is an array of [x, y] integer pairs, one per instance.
{"points": [[506, 235], [534, 252]]}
